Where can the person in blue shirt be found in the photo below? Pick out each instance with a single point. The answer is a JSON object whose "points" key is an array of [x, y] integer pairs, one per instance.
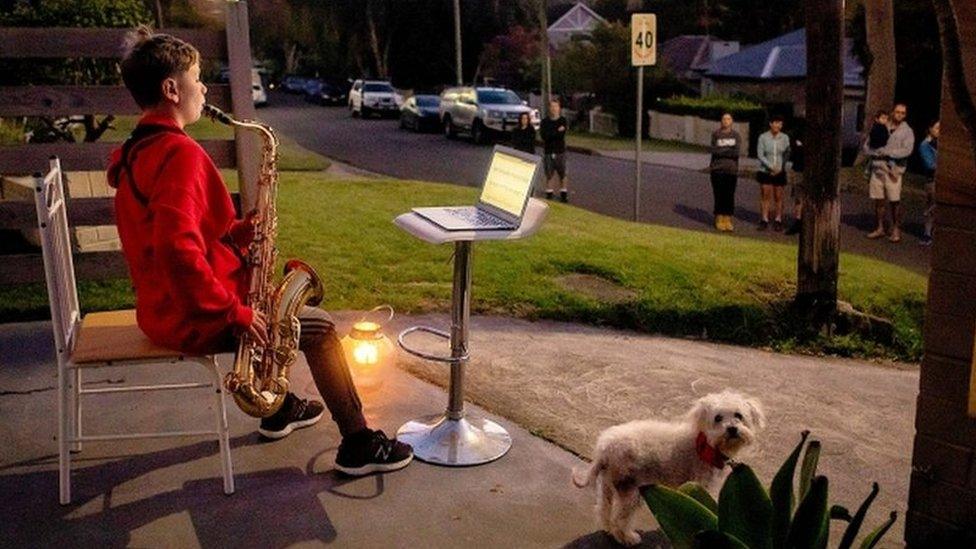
{"points": [[928, 151], [773, 152]]}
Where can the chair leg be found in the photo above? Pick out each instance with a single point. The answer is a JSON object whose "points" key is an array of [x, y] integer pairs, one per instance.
{"points": [[64, 456], [223, 438], [76, 415]]}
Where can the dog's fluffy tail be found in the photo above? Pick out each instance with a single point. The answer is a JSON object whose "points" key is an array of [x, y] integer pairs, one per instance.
{"points": [[584, 478]]}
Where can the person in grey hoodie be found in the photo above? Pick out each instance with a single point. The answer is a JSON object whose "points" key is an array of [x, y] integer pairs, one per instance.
{"points": [[888, 165], [724, 170], [773, 152]]}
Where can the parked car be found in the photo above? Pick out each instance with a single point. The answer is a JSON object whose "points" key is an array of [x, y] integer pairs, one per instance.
{"points": [[312, 88], [421, 112], [332, 94], [258, 93], [293, 84], [374, 96], [482, 112]]}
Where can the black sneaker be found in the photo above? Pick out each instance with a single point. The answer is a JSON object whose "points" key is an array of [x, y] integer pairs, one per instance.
{"points": [[295, 413], [549, 195], [925, 240], [778, 226], [763, 225], [564, 195], [372, 452]]}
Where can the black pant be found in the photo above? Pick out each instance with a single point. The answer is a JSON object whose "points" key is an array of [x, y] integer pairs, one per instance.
{"points": [[723, 188]]}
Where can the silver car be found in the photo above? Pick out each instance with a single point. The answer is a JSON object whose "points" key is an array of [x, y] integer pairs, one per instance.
{"points": [[482, 111]]}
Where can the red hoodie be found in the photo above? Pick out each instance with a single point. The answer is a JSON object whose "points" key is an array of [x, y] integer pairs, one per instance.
{"points": [[189, 279]]}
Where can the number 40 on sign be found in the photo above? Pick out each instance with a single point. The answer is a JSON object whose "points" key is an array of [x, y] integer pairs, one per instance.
{"points": [[643, 34]]}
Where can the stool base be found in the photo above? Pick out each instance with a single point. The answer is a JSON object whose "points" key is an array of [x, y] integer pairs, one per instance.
{"points": [[470, 440]]}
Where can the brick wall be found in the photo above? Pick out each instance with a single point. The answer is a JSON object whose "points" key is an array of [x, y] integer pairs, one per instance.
{"points": [[942, 496]]}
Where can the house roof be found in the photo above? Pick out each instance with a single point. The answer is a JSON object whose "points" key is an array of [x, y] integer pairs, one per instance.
{"points": [[682, 53], [579, 17], [781, 58]]}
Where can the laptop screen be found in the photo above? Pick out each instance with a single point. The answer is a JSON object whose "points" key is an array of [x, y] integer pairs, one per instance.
{"points": [[509, 182]]}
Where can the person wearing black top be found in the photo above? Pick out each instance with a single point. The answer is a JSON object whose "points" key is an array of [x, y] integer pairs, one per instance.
{"points": [[553, 130], [523, 136]]}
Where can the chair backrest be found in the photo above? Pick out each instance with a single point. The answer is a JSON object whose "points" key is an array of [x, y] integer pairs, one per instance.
{"points": [[59, 268]]}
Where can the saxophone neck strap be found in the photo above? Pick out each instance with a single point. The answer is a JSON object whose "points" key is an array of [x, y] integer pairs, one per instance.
{"points": [[141, 133]]}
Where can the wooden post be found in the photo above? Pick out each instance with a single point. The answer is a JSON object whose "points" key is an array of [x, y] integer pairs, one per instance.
{"points": [[819, 252], [239, 63]]}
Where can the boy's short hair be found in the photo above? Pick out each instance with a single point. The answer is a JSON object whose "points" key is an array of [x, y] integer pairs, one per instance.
{"points": [[880, 113], [149, 58], [776, 118]]}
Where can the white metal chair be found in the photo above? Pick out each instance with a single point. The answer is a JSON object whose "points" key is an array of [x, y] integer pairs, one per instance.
{"points": [[102, 339]]}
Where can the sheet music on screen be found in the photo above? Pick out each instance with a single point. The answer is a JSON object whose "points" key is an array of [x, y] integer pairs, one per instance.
{"points": [[509, 179]]}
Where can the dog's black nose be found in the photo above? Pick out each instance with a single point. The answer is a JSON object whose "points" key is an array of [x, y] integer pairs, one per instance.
{"points": [[733, 431]]}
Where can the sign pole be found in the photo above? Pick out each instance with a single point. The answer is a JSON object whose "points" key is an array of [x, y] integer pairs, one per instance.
{"points": [[637, 156], [643, 42]]}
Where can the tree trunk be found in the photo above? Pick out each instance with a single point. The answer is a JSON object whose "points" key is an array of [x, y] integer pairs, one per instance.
{"points": [[374, 43], [879, 23], [819, 251], [954, 73], [545, 88]]}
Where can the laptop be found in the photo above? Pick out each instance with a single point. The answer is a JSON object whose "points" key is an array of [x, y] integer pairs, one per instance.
{"points": [[504, 196]]}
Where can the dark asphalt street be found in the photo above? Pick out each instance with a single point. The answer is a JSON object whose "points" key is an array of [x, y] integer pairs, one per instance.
{"points": [[670, 196]]}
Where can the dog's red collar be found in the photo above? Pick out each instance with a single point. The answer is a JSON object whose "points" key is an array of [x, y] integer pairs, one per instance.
{"points": [[708, 453]]}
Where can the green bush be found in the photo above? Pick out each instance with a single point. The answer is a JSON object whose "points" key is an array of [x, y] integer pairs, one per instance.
{"points": [[711, 107], [69, 13], [748, 516], [11, 132]]}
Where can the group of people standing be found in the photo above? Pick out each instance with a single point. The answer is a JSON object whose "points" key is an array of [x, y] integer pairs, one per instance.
{"points": [[552, 129], [773, 151], [887, 147]]}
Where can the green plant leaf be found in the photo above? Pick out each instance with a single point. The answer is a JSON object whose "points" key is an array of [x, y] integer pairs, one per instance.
{"points": [[713, 539], [744, 508], [809, 467], [855, 526], [874, 537], [680, 515], [781, 495], [839, 512], [809, 529], [699, 494]]}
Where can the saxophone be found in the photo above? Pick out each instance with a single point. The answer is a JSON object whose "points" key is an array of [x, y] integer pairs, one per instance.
{"points": [[259, 380]]}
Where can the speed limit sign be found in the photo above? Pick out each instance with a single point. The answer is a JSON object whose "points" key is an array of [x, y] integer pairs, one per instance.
{"points": [[643, 39]]}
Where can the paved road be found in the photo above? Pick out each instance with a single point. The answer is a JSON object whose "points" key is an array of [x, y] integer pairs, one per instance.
{"points": [[670, 196]]}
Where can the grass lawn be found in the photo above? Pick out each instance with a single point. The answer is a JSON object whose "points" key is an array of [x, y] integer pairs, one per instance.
{"points": [[292, 156], [606, 143], [674, 281]]}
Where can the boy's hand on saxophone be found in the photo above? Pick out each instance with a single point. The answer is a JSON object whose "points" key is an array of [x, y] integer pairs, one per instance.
{"points": [[259, 328]]}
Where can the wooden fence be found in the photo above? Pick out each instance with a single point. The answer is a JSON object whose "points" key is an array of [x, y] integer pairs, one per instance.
{"points": [[231, 45]]}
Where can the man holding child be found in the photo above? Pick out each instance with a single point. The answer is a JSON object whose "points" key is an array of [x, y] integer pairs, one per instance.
{"points": [[888, 161]]}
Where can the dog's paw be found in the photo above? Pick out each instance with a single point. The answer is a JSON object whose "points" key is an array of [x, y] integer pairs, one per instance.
{"points": [[629, 538]]}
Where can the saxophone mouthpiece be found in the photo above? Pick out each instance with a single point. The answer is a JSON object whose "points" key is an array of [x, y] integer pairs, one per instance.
{"points": [[216, 114]]}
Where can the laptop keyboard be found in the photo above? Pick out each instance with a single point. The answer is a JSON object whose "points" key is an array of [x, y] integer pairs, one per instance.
{"points": [[477, 218]]}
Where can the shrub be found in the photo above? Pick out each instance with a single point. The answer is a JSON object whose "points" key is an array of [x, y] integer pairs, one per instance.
{"points": [[748, 516], [711, 107]]}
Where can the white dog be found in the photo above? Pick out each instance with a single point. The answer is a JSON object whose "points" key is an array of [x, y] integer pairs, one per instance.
{"points": [[694, 448]]}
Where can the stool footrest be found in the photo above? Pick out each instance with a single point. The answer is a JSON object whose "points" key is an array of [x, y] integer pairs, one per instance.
{"points": [[401, 341]]}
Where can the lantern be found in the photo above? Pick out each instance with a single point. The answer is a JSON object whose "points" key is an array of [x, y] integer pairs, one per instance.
{"points": [[367, 351]]}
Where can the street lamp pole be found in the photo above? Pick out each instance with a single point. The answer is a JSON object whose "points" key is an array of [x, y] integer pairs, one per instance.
{"points": [[457, 41]]}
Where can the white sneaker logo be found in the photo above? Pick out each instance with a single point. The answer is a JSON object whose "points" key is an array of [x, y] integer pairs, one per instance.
{"points": [[383, 453]]}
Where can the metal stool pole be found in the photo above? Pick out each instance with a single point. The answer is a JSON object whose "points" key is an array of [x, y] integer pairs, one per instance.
{"points": [[454, 438]]}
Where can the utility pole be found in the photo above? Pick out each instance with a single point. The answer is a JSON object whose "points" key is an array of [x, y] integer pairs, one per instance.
{"points": [[819, 251], [457, 42], [546, 76]]}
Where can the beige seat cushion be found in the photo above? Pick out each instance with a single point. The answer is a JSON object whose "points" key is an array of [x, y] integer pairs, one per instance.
{"points": [[114, 335]]}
